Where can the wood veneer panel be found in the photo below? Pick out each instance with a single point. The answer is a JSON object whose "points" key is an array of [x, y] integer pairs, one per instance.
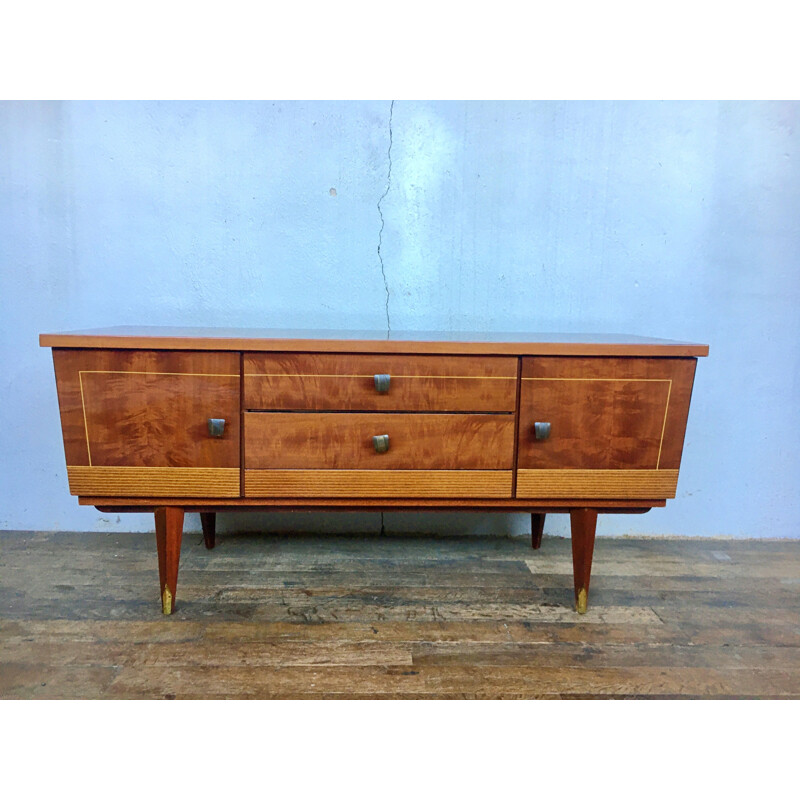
{"points": [[605, 413], [323, 381], [154, 481], [273, 340], [147, 409], [277, 440], [372, 483]]}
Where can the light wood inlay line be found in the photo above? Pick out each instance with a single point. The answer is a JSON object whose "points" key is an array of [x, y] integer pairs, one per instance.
{"points": [[664, 425], [397, 377], [83, 372], [597, 483], [137, 372], [628, 380], [154, 481], [85, 424]]}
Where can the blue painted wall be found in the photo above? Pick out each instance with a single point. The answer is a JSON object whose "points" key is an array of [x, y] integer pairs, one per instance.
{"points": [[674, 219]]}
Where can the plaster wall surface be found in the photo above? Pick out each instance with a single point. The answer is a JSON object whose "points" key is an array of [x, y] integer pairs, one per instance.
{"points": [[671, 219]]}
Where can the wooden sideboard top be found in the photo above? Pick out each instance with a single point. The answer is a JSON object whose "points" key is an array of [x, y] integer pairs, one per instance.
{"points": [[340, 341]]}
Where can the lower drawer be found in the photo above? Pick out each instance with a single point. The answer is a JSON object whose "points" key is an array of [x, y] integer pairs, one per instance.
{"points": [[308, 441]]}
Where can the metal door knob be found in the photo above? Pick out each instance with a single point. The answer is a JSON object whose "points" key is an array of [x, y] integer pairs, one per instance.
{"points": [[381, 443], [382, 383], [541, 430], [216, 427]]}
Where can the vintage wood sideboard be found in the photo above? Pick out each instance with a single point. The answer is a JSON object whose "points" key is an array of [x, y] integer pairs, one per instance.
{"points": [[171, 420]]}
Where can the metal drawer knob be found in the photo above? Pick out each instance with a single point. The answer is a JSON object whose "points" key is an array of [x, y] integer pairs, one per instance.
{"points": [[381, 443], [382, 383], [216, 427], [541, 430]]}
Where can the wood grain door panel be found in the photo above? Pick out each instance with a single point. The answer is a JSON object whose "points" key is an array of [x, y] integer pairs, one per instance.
{"points": [[345, 382], [148, 408], [308, 440]]}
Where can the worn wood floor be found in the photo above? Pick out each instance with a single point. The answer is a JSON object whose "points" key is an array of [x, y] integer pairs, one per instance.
{"points": [[266, 616]]}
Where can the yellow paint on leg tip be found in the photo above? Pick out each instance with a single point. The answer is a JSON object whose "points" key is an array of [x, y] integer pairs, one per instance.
{"points": [[166, 601], [580, 604]]}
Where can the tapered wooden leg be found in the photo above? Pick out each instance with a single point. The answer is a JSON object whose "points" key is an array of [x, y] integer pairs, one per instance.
{"points": [[169, 532], [537, 526], [208, 519], [583, 522]]}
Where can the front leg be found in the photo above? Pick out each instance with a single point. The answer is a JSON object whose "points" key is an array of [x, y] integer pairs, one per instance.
{"points": [[583, 522], [169, 532]]}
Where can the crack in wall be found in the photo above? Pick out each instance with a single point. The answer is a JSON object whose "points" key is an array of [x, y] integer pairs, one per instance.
{"points": [[380, 256], [383, 222]]}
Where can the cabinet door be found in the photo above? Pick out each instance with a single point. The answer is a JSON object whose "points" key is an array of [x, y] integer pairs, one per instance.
{"points": [[616, 426], [136, 422]]}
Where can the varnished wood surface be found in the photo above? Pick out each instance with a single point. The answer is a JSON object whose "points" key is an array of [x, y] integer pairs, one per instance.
{"points": [[336, 341], [583, 526], [148, 409], [605, 413], [468, 484], [169, 535], [325, 381], [302, 616], [277, 440]]}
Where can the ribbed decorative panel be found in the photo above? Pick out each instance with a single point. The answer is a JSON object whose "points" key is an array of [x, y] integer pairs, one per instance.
{"points": [[597, 483], [373, 483], [154, 481]]}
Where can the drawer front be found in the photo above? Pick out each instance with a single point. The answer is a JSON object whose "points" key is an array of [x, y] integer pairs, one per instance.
{"points": [[616, 426], [136, 423], [344, 382], [275, 440]]}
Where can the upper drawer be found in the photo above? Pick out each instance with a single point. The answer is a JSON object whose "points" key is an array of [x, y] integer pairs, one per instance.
{"points": [[345, 441], [344, 382]]}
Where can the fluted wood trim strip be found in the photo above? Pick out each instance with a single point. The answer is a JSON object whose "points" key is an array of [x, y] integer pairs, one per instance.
{"points": [[373, 483], [597, 483], [154, 481]]}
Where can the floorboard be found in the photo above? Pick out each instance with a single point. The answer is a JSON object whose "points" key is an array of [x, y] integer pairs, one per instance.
{"points": [[303, 616]]}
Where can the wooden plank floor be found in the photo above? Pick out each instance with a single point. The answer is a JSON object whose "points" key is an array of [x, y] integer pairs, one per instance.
{"points": [[266, 616]]}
